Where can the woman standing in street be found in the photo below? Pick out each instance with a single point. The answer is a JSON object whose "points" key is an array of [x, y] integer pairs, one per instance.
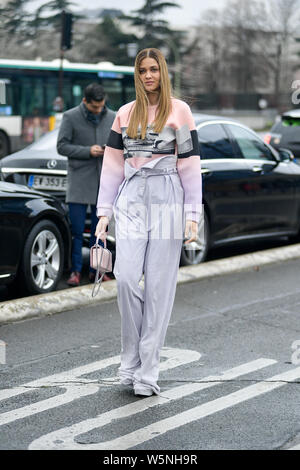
{"points": [[151, 181]]}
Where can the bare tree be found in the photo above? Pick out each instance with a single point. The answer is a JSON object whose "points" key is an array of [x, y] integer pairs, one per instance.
{"points": [[262, 34], [227, 40], [246, 48], [213, 52], [284, 23], [243, 22]]}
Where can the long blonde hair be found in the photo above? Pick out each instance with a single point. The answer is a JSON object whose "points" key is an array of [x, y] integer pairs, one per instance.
{"points": [[139, 115]]}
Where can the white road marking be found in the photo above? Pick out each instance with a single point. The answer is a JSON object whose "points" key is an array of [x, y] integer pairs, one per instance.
{"points": [[64, 438], [61, 378], [76, 387], [297, 447], [161, 427], [2, 352]]}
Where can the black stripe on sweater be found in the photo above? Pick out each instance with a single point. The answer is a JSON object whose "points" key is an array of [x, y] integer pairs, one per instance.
{"points": [[115, 140], [195, 150]]}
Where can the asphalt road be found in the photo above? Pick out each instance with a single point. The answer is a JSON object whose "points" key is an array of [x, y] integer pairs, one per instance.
{"points": [[216, 253], [230, 378]]}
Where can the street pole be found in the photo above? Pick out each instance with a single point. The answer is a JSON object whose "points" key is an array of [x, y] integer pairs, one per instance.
{"points": [[61, 68], [61, 75], [65, 44]]}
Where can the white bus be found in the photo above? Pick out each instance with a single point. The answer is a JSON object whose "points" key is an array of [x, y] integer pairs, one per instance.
{"points": [[31, 87]]}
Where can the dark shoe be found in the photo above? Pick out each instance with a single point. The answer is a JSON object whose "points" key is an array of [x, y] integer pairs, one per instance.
{"points": [[106, 278], [74, 279]]}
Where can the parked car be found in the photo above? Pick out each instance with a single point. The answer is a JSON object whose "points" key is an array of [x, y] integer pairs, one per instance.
{"points": [[250, 190], [38, 166], [286, 133], [35, 239]]}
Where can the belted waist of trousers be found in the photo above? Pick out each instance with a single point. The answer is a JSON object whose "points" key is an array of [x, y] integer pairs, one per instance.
{"points": [[165, 166], [145, 172]]}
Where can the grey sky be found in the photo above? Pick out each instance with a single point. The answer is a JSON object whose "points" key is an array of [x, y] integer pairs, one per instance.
{"points": [[189, 14]]}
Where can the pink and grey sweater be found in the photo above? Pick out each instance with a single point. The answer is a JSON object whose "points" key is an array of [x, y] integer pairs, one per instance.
{"points": [[178, 138]]}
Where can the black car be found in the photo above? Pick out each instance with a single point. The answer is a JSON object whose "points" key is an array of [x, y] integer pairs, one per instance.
{"points": [[35, 239], [250, 190], [286, 133]]}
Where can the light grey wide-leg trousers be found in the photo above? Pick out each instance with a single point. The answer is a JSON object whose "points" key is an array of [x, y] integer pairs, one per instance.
{"points": [[149, 231]]}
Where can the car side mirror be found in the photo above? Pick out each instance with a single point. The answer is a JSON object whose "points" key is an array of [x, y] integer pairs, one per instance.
{"points": [[286, 155]]}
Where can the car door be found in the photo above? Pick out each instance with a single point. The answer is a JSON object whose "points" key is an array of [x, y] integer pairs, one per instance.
{"points": [[224, 183], [271, 185], [10, 231]]}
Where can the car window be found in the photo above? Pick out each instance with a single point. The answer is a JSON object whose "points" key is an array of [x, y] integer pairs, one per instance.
{"points": [[277, 127], [214, 142], [290, 121], [250, 146]]}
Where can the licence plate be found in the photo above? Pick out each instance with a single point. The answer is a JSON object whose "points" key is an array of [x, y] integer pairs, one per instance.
{"points": [[54, 183]]}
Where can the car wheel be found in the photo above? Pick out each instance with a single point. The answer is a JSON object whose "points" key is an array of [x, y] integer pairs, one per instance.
{"points": [[43, 258], [196, 252]]}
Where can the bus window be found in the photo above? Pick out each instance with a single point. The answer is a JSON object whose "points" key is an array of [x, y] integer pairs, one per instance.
{"points": [[67, 94], [129, 91], [51, 92], [6, 101], [113, 90], [32, 96], [77, 94]]}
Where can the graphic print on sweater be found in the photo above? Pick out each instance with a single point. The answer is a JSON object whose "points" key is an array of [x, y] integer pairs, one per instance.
{"points": [[153, 144]]}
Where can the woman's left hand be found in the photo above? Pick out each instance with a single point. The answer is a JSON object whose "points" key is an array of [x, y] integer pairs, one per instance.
{"points": [[191, 230]]}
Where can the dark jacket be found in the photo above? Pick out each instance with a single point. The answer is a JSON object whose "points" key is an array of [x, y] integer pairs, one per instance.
{"points": [[76, 136]]}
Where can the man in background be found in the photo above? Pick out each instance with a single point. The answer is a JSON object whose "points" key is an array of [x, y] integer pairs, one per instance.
{"points": [[82, 138]]}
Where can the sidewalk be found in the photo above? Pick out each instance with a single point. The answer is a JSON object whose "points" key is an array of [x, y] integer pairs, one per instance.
{"points": [[76, 297]]}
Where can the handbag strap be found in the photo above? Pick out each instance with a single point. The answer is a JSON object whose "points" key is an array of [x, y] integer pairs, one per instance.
{"points": [[98, 280], [97, 284]]}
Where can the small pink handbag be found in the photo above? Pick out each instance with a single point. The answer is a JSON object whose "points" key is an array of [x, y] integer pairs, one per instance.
{"points": [[101, 260]]}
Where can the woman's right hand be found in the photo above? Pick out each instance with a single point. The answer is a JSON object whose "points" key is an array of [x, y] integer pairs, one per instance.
{"points": [[101, 227]]}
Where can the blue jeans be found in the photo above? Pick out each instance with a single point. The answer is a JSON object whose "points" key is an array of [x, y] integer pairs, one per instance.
{"points": [[77, 213]]}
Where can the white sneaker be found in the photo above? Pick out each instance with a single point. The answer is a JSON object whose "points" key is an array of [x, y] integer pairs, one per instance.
{"points": [[146, 392], [126, 382]]}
